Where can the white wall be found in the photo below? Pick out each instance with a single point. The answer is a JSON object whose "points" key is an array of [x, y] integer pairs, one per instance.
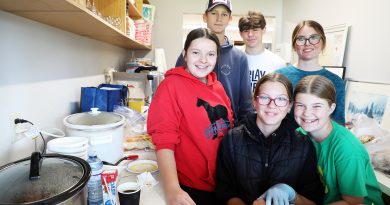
{"points": [[42, 70], [367, 52], [167, 30], [43, 67]]}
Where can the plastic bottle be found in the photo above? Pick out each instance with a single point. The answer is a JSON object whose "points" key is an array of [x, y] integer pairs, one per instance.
{"points": [[95, 191]]}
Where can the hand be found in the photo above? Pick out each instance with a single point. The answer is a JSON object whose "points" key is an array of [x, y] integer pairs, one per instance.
{"points": [[259, 201], [279, 194], [179, 197]]}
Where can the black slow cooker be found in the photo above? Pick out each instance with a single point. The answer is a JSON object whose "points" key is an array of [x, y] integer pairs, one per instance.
{"points": [[45, 179]]}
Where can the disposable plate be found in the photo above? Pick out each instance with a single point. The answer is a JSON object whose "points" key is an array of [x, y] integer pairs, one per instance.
{"points": [[68, 142], [78, 154], [68, 150]]}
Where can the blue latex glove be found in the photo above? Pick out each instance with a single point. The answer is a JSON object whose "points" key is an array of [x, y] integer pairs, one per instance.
{"points": [[279, 194]]}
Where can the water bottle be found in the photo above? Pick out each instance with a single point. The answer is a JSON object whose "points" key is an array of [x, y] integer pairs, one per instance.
{"points": [[95, 191]]}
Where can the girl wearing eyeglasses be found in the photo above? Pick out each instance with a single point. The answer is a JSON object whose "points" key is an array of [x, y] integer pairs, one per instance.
{"points": [[264, 160], [308, 41], [343, 162]]}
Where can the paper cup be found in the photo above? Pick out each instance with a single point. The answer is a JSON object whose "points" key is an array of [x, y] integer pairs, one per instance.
{"points": [[129, 193]]}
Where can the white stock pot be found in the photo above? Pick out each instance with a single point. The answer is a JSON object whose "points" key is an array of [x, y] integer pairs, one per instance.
{"points": [[104, 130]]}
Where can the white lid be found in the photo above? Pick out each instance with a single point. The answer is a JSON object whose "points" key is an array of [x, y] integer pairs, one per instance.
{"points": [[93, 121]]}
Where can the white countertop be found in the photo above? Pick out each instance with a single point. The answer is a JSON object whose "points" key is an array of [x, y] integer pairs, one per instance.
{"points": [[153, 196], [156, 194], [384, 182]]}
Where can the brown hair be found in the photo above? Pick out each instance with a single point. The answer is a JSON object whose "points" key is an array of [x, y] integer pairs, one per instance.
{"points": [[313, 24], [201, 33], [317, 85], [275, 77], [252, 20]]}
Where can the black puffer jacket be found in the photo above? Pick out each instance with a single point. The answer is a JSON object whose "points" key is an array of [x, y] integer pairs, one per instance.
{"points": [[248, 163]]}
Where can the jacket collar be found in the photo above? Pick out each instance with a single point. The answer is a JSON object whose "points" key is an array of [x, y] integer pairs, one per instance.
{"points": [[254, 132]]}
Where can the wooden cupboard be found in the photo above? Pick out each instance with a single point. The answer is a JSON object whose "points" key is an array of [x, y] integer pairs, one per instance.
{"points": [[73, 16]]}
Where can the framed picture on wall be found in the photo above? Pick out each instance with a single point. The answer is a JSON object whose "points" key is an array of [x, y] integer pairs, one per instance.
{"points": [[338, 70], [336, 40], [369, 99]]}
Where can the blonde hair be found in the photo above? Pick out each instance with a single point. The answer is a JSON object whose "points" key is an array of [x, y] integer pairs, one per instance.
{"points": [[317, 85]]}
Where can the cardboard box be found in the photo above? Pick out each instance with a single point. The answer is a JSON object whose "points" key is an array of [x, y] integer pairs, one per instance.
{"points": [[109, 181], [143, 31]]}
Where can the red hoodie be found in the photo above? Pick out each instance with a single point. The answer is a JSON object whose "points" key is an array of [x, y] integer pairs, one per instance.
{"points": [[190, 118]]}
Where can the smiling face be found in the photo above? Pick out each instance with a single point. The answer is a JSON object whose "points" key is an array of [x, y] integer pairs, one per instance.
{"points": [[308, 51], [315, 98], [313, 114], [201, 57], [252, 37], [271, 115], [252, 29], [217, 19]]}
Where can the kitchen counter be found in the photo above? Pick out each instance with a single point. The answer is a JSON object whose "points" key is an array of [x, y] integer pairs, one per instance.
{"points": [[156, 194], [148, 197], [384, 182]]}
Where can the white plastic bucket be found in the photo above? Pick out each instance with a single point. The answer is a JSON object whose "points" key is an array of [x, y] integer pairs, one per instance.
{"points": [[104, 130]]}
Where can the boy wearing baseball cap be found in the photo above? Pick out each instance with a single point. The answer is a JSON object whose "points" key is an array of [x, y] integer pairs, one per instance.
{"points": [[232, 67], [211, 4]]}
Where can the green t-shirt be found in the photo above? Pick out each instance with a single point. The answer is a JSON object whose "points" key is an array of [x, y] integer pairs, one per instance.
{"points": [[345, 168]]}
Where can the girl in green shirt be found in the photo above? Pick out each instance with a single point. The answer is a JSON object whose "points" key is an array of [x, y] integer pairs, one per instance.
{"points": [[343, 162]]}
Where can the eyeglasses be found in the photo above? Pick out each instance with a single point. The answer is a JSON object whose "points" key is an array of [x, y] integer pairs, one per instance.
{"points": [[313, 40], [279, 101]]}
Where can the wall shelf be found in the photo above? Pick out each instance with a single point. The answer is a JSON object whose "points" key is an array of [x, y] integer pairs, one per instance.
{"points": [[70, 16], [133, 12]]}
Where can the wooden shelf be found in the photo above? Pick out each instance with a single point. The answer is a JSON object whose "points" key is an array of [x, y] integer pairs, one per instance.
{"points": [[133, 12], [70, 16]]}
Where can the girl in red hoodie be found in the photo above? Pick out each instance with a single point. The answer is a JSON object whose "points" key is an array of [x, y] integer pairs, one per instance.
{"points": [[189, 115]]}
